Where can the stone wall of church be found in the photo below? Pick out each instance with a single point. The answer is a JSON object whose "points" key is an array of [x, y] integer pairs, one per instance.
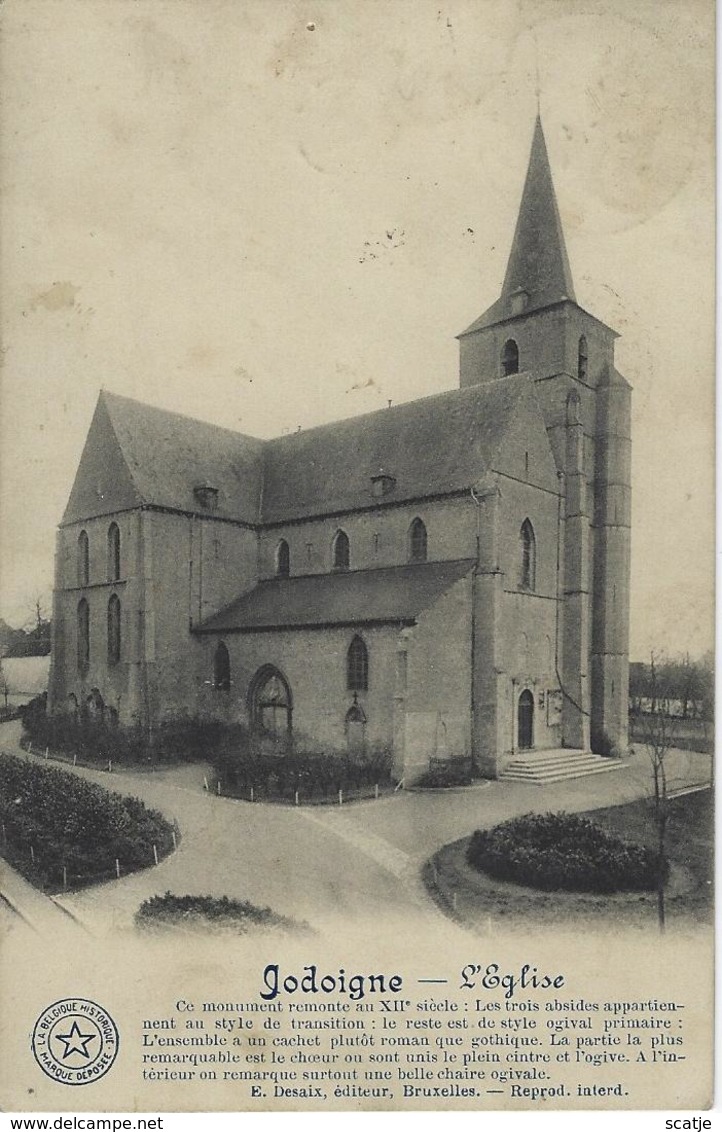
{"points": [[548, 344], [313, 664], [193, 567], [437, 687], [378, 537], [70, 684], [528, 621]]}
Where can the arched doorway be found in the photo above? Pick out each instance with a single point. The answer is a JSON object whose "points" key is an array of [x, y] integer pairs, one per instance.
{"points": [[95, 706], [526, 720], [356, 728], [271, 705]]}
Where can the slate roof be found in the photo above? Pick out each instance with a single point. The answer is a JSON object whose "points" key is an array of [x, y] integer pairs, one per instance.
{"points": [[538, 262], [168, 455], [394, 595], [432, 446]]}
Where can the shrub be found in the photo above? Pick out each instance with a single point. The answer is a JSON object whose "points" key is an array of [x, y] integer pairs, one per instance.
{"points": [[563, 851], [276, 773], [73, 825], [94, 741], [210, 912], [455, 772]]}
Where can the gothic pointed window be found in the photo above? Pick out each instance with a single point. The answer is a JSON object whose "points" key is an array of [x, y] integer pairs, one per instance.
{"points": [[271, 703], [417, 541], [527, 551], [83, 559], [113, 553], [357, 666], [221, 669], [582, 359], [113, 629], [510, 357], [83, 636], [341, 551], [283, 559]]}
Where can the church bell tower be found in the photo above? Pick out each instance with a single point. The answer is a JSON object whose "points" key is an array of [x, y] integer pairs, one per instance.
{"points": [[537, 327]]}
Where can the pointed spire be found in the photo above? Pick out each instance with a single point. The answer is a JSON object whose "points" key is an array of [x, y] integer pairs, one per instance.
{"points": [[538, 272], [538, 262]]}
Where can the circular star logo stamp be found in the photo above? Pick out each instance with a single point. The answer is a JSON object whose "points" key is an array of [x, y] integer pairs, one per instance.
{"points": [[75, 1041]]}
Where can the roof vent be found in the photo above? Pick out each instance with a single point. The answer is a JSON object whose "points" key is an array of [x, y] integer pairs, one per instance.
{"points": [[382, 483], [207, 495]]}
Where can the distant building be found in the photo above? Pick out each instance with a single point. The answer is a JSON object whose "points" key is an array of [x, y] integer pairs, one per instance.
{"points": [[447, 577]]}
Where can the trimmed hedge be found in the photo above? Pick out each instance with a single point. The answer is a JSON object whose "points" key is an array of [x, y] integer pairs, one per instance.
{"points": [[275, 773], [455, 772], [53, 820], [559, 851], [210, 912], [274, 769], [95, 741]]}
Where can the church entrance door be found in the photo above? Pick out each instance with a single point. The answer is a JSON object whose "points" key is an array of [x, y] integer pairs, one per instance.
{"points": [[526, 720]]}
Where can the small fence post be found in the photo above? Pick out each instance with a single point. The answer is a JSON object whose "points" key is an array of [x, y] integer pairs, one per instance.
{"points": [[376, 791], [251, 793], [205, 782], [32, 854], [297, 797], [65, 878], [340, 797], [46, 752], [5, 834], [155, 853], [175, 839], [454, 899], [75, 759], [30, 747], [218, 786], [110, 766], [117, 868]]}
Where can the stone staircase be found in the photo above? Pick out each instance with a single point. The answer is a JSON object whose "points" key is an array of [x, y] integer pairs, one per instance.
{"points": [[557, 765]]}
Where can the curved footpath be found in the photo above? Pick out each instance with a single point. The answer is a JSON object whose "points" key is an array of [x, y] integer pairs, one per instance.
{"points": [[355, 862]]}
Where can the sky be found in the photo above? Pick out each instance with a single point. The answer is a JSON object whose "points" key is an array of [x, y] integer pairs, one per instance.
{"points": [[271, 215]]}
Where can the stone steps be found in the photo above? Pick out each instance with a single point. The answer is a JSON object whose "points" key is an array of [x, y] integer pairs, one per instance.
{"points": [[557, 766]]}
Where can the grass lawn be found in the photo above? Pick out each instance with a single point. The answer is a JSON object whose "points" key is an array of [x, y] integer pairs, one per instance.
{"points": [[485, 904]]}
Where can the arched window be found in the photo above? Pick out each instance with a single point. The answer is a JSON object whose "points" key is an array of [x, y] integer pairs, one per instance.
{"points": [[283, 559], [527, 550], [221, 669], [357, 666], [510, 357], [417, 541], [83, 636], [271, 703], [341, 551], [113, 553], [83, 559], [582, 359], [113, 629]]}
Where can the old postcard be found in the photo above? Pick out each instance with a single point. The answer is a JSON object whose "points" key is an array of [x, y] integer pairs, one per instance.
{"points": [[357, 559]]}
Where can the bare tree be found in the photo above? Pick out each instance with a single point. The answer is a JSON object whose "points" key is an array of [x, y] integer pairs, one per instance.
{"points": [[658, 730], [4, 686]]}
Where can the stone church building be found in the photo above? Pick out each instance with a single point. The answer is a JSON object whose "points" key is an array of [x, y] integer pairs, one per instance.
{"points": [[447, 578]]}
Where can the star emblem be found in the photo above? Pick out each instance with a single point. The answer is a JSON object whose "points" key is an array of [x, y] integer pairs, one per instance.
{"points": [[75, 1041]]}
